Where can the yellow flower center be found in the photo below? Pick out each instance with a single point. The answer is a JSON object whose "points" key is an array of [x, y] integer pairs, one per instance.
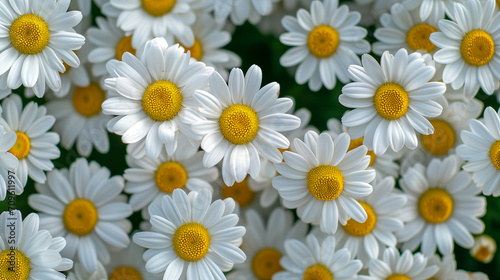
{"points": [[482, 253], [14, 265], [123, 46], [477, 48], [391, 101], [87, 100], [157, 7], [196, 49], [22, 146], [239, 124], [29, 34], [417, 37], [494, 154], [435, 205], [80, 217], [317, 272], [361, 229], [125, 273], [442, 140], [323, 41], [266, 263], [240, 192], [162, 100], [191, 242], [358, 142], [170, 176], [325, 182], [398, 277]]}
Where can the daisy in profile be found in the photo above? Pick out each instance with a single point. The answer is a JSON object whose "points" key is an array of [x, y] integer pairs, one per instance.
{"points": [[241, 11], [35, 41], [315, 260], [127, 264], [322, 181], [325, 42], [484, 248], [391, 101], [80, 273], [467, 47], [8, 162], [84, 205], [442, 207], [35, 146], [153, 97], [192, 237], [242, 122]]}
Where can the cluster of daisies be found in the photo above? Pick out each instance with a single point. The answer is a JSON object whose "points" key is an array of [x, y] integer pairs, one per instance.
{"points": [[230, 179]]}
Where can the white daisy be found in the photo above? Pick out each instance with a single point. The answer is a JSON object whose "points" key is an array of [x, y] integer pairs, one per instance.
{"points": [[247, 194], [242, 121], [468, 47], [240, 11], [35, 147], [325, 42], [323, 182], [484, 248], [41, 39], [312, 260], [391, 101], [153, 96], [127, 264], [80, 273], [442, 207], [84, 205], [9, 182], [467, 275], [192, 237]]}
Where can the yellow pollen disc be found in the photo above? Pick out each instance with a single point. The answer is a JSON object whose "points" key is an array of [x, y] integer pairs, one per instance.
{"points": [[417, 37], [323, 41], [29, 34], [14, 265], [88, 100], [317, 272], [162, 100], [361, 229], [477, 48], [191, 242], [239, 124], [123, 46], [196, 49], [170, 176], [442, 140], [494, 154], [240, 192], [435, 205], [80, 217], [325, 182], [398, 277], [482, 254], [22, 146], [125, 273], [391, 101], [157, 7], [266, 263], [358, 142]]}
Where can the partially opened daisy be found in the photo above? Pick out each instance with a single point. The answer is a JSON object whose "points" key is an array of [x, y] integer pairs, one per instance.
{"points": [[242, 122], [35, 39], [323, 182], [442, 207], [325, 42], [391, 100], [192, 237], [484, 248], [84, 205]]}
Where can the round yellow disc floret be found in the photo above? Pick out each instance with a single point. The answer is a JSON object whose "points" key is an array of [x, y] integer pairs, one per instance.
{"points": [[162, 100], [325, 182], [80, 216], [125, 273], [29, 34], [398, 277], [477, 48], [417, 37], [266, 263], [442, 140], [435, 205], [88, 100], [317, 272], [22, 147], [358, 142], [191, 242], [123, 46], [495, 154], [323, 41], [169, 176], [240, 192], [157, 7], [196, 49], [239, 124], [391, 101], [14, 265], [361, 229]]}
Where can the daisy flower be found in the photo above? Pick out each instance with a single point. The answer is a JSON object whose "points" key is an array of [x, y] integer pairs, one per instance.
{"points": [[247, 194], [314, 260], [35, 40], [242, 10], [35, 147], [36, 254], [84, 205], [242, 121], [153, 96], [323, 182], [391, 101], [484, 248], [192, 237], [467, 47], [8, 162], [80, 273], [127, 265], [325, 42], [467, 275], [442, 207]]}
